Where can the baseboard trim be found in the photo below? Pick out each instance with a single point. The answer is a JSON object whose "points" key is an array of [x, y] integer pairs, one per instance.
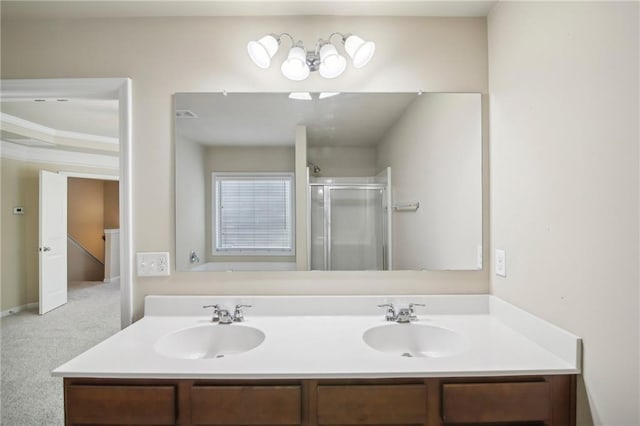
{"points": [[112, 279], [17, 309]]}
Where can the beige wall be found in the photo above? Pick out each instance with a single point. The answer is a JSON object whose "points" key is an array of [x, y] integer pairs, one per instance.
{"points": [[111, 204], [564, 183], [20, 233], [81, 266], [435, 155], [167, 55], [348, 161], [190, 202], [85, 214]]}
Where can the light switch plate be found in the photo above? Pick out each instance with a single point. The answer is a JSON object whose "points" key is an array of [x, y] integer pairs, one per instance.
{"points": [[152, 264], [501, 263]]}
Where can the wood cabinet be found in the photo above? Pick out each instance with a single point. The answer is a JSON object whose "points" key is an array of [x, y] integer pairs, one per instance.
{"points": [[539, 400], [358, 404], [246, 405], [120, 404]]}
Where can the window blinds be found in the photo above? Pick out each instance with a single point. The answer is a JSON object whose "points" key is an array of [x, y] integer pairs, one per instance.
{"points": [[254, 213]]}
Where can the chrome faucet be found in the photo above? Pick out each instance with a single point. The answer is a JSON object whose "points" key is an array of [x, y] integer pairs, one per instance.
{"points": [[238, 315], [404, 315], [391, 311], [223, 316]]}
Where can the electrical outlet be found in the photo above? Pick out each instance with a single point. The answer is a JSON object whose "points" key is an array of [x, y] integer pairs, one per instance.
{"points": [[152, 264], [501, 263]]}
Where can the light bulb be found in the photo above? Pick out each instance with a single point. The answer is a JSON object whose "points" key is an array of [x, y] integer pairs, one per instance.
{"points": [[325, 95], [359, 50], [332, 64], [300, 96], [262, 51], [295, 67]]}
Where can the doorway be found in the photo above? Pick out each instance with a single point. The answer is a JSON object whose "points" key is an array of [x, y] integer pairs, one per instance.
{"points": [[118, 89], [93, 231]]}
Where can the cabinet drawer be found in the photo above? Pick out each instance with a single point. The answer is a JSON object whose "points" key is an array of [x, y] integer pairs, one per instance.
{"points": [[121, 405], [372, 404], [246, 405], [495, 402]]}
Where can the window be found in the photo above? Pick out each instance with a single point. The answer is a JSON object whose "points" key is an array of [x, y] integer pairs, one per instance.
{"points": [[253, 214]]}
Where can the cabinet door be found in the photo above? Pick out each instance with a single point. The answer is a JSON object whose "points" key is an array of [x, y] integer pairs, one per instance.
{"points": [[246, 405], [496, 402], [120, 405], [372, 405]]}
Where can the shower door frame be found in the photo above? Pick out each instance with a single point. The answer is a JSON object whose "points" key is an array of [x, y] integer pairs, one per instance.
{"points": [[327, 188]]}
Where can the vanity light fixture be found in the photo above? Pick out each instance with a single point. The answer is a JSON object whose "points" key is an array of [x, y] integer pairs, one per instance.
{"points": [[324, 58]]}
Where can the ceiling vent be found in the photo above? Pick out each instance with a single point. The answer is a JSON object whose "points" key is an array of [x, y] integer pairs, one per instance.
{"points": [[185, 113]]}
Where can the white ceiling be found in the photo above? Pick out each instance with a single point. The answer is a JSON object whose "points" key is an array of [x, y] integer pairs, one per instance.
{"points": [[29, 9], [270, 119], [98, 117], [76, 125]]}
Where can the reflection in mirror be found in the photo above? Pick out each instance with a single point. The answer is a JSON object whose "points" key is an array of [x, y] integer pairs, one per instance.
{"points": [[393, 181]]}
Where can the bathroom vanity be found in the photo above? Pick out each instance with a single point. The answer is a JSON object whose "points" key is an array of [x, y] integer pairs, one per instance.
{"points": [[327, 361]]}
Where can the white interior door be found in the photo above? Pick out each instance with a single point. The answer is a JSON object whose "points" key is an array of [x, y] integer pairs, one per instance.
{"points": [[53, 241]]}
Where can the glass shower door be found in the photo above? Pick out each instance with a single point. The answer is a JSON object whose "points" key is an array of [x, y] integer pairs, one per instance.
{"points": [[317, 244], [355, 232]]}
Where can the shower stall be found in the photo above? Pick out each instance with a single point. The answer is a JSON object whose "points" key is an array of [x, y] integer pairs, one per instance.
{"points": [[349, 224]]}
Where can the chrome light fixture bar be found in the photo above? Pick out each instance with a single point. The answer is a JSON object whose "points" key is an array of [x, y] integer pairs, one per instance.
{"points": [[324, 58]]}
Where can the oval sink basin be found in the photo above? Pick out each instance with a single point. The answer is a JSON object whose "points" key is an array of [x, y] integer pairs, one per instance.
{"points": [[415, 340], [209, 341]]}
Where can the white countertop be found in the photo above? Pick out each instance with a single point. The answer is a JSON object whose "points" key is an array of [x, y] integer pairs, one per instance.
{"points": [[502, 340]]}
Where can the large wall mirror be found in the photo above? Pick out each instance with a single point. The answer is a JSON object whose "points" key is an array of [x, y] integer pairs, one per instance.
{"points": [[390, 181]]}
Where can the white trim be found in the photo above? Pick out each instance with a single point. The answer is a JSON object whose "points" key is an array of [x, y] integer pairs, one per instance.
{"points": [[19, 152], [97, 88], [56, 88], [89, 176], [30, 125], [110, 280], [125, 109], [17, 309]]}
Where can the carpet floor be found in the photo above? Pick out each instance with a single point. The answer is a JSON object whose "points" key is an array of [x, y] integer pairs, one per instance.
{"points": [[33, 345]]}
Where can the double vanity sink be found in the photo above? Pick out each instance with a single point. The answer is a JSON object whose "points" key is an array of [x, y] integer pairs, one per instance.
{"points": [[326, 336], [327, 360]]}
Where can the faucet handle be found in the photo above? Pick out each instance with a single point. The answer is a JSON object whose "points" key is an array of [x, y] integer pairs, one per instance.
{"points": [[238, 315], [216, 311], [391, 311], [411, 311]]}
